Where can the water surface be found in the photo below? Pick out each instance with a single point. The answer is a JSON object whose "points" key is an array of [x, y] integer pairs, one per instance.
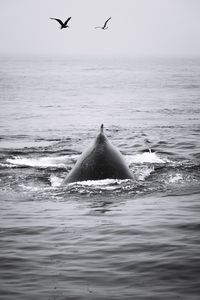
{"points": [[110, 239]]}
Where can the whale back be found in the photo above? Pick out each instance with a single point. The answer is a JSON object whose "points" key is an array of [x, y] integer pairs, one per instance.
{"points": [[100, 161]]}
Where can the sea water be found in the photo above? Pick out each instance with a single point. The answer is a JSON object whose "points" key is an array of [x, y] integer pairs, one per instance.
{"points": [[107, 239]]}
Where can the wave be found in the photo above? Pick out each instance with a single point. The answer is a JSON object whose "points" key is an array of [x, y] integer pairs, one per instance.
{"points": [[101, 182], [104, 184], [152, 172], [146, 157], [144, 173], [175, 178], [55, 181], [42, 162], [65, 160]]}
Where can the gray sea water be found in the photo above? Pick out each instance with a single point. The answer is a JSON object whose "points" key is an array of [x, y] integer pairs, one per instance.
{"points": [[110, 239]]}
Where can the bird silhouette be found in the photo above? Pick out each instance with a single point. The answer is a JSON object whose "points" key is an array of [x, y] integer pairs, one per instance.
{"points": [[104, 26], [62, 25]]}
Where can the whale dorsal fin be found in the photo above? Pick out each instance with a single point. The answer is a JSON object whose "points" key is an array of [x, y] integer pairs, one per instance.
{"points": [[101, 128]]}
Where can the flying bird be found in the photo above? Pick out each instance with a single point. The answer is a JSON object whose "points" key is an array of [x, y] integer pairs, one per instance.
{"points": [[104, 26], [62, 25]]}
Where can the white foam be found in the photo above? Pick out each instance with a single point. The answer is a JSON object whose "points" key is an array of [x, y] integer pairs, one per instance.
{"points": [[55, 181], [43, 162], [63, 161], [146, 157], [175, 178], [30, 188], [102, 182], [5, 165], [145, 173]]}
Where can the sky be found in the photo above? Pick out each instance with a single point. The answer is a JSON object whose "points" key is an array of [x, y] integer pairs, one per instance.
{"points": [[137, 27]]}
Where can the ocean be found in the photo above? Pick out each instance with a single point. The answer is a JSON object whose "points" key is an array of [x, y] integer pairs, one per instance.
{"points": [[107, 239]]}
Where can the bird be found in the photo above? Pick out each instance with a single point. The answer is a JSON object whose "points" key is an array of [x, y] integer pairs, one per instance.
{"points": [[104, 26], [62, 25]]}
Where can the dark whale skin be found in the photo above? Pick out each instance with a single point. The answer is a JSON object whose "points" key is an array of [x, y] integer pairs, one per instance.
{"points": [[101, 161]]}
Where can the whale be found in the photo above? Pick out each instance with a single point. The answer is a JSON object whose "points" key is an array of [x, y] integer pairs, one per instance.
{"points": [[100, 161]]}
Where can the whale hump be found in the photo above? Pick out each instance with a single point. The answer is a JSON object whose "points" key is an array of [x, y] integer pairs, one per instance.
{"points": [[100, 161]]}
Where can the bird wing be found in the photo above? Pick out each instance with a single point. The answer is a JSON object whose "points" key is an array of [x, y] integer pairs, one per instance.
{"points": [[67, 21], [106, 22], [58, 20]]}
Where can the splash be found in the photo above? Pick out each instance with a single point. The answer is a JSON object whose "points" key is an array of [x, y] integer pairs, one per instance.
{"points": [[98, 186], [64, 161], [42, 162], [144, 173], [146, 157], [55, 181], [102, 182], [175, 178]]}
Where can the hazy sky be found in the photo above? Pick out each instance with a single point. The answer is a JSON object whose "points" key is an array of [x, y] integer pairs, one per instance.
{"points": [[137, 27]]}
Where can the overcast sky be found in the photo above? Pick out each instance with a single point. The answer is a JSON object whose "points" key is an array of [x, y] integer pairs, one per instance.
{"points": [[137, 27]]}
